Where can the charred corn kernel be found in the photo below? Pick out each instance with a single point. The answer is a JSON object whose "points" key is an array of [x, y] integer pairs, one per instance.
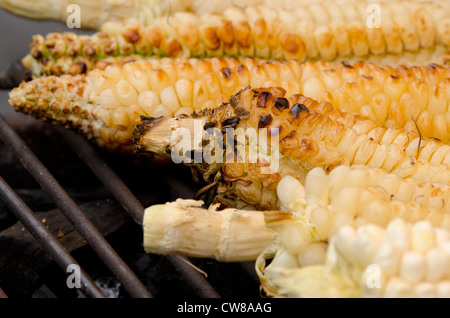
{"points": [[260, 32]]}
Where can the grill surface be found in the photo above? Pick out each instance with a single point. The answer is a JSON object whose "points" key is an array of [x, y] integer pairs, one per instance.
{"points": [[157, 276]]}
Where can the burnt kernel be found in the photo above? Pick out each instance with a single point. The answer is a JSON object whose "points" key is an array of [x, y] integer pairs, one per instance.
{"points": [[289, 136], [297, 109], [78, 68], [239, 69], [231, 122], [347, 64], [209, 125], [262, 99], [27, 76], [395, 76], [132, 36], [264, 121], [37, 54], [281, 103], [226, 71]]}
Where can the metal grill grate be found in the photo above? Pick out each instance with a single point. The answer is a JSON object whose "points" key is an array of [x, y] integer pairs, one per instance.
{"points": [[89, 155]]}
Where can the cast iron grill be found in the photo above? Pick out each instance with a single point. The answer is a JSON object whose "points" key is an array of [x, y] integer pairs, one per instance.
{"points": [[132, 284]]}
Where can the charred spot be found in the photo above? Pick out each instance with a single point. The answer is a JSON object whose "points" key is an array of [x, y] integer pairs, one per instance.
{"points": [[37, 54], [209, 125], [432, 66], [297, 109], [239, 69], [347, 64], [132, 36], [226, 71], [262, 99], [395, 76], [368, 77], [264, 121], [281, 103], [27, 76], [288, 136], [79, 68], [231, 122]]}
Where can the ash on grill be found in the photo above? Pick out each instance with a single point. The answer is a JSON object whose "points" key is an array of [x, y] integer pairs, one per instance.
{"points": [[28, 271]]}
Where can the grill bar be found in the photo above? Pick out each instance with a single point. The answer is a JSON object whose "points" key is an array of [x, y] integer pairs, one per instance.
{"points": [[2, 294], [89, 232], [105, 174], [45, 238], [131, 204]]}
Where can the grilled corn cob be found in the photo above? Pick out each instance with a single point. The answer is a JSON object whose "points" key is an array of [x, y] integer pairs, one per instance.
{"points": [[109, 102], [96, 14], [408, 32], [347, 209], [106, 105], [304, 137], [401, 260]]}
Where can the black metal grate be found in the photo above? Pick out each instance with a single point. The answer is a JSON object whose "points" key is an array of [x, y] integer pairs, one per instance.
{"points": [[117, 187]]}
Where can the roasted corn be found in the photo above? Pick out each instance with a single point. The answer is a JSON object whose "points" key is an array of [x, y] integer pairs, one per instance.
{"points": [[106, 104], [408, 32], [300, 136]]}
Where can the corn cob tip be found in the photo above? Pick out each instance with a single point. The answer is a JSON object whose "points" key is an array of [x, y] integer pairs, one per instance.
{"points": [[150, 126]]}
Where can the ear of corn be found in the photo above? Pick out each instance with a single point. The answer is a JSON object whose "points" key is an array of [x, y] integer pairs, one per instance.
{"points": [[105, 105], [96, 14], [372, 262], [310, 32], [336, 231], [384, 239], [413, 98], [305, 138]]}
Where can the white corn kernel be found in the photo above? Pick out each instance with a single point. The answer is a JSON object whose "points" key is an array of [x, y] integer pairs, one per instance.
{"points": [[183, 111], [148, 101], [294, 238], [378, 211], [169, 99], [412, 267], [399, 234], [388, 258], [184, 89], [443, 289], [437, 264], [161, 110], [317, 188], [398, 288], [346, 201], [344, 240], [109, 99], [425, 290], [314, 254], [290, 192], [321, 218], [422, 236]]}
